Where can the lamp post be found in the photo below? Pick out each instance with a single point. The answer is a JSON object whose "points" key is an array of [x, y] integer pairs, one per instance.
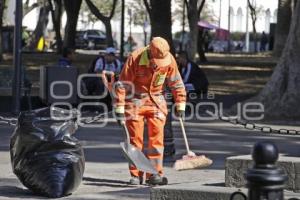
{"points": [[247, 29], [229, 24], [220, 13], [17, 80], [130, 30], [122, 30], [183, 27]]}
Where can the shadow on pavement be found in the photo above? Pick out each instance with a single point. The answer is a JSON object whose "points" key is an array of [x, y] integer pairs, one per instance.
{"points": [[107, 183], [16, 192], [137, 193]]}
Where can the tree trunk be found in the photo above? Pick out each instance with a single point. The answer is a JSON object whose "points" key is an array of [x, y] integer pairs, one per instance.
{"points": [[193, 19], [56, 13], [105, 20], [2, 6], [281, 95], [200, 46], [109, 37], [27, 9], [284, 16], [254, 35], [41, 26], [161, 21], [72, 9]]}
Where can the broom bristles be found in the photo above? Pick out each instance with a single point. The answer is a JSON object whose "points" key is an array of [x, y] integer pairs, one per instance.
{"points": [[195, 162]]}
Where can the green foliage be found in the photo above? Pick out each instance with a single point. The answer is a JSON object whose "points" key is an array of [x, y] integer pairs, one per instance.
{"points": [[207, 13], [139, 12], [104, 6]]}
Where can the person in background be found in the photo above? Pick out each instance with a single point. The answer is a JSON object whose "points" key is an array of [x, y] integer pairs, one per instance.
{"points": [[263, 41], [129, 45], [207, 40], [67, 57], [192, 75], [108, 62]]}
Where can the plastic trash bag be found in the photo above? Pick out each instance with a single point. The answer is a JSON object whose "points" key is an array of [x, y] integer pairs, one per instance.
{"points": [[45, 156]]}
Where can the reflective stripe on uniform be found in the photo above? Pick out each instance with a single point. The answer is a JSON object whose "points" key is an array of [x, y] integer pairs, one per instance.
{"points": [[178, 85], [155, 151], [136, 102], [156, 161], [174, 78]]}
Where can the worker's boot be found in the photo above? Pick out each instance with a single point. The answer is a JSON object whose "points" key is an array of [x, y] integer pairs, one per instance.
{"points": [[134, 180], [157, 180]]}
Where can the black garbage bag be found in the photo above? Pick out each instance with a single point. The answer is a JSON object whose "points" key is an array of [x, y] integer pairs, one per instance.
{"points": [[45, 156]]}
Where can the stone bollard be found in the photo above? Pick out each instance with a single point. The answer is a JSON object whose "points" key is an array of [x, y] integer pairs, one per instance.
{"points": [[265, 181]]}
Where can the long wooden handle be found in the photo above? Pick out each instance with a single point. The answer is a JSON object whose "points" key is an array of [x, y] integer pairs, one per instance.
{"points": [[108, 84], [126, 131], [184, 135]]}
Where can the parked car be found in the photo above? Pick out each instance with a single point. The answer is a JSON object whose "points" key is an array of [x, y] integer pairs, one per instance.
{"points": [[80, 42], [90, 39]]}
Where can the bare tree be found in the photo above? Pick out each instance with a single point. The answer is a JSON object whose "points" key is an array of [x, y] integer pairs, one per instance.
{"points": [[106, 20], [281, 95], [72, 9], [284, 16], [41, 25], [2, 7], [160, 19], [27, 8], [56, 13], [140, 16], [254, 13], [194, 8]]}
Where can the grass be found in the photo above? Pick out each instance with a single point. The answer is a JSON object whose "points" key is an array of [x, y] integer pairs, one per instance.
{"points": [[227, 73]]}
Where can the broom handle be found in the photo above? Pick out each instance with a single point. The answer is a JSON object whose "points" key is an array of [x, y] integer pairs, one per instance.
{"points": [[184, 135]]}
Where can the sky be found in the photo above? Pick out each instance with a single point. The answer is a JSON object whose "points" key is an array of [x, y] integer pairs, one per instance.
{"points": [[30, 20]]}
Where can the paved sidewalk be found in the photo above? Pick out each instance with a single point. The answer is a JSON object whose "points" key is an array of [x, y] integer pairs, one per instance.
{"points": [[106, 173]]}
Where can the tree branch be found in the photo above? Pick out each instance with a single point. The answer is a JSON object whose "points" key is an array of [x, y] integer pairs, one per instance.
{"points": [[27, 9], [95, 11], [200, 8], [252, 8], [112, 12], [51, 7], [186, 4], [148, 8]]}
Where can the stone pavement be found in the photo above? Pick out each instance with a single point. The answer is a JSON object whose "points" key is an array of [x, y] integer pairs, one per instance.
{"points": [[106, 172]]}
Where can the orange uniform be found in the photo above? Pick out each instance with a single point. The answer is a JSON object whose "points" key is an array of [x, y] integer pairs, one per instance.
{"points": [[139, 94]]}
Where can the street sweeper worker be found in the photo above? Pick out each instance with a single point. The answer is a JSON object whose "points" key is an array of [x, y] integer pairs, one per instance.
{"points": [[139, 96]]}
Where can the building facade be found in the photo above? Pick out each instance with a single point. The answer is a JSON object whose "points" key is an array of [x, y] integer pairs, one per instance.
{"points": [[232, 14]]}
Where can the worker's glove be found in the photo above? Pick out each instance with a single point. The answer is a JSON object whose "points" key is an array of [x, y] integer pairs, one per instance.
{"points": [[180, 113], [180, 110], [120, 115]]}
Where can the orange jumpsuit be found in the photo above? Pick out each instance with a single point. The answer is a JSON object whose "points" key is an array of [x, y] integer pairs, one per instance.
{"points": [[147, 102]]}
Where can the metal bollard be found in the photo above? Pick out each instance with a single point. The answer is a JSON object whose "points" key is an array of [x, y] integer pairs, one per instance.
{"points": [[265, 181]]}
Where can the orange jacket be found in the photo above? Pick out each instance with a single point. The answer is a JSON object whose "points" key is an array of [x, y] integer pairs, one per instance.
{"points": [[149, 81]]}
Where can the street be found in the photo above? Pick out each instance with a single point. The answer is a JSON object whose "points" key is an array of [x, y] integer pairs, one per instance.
{"points": [[106, 173]]}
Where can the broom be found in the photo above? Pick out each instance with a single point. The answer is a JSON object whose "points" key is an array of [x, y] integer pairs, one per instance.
{"points": [[190, 160]]}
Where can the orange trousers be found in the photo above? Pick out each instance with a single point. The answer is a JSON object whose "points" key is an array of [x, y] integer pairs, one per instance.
{"points": [[155, 120]]}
